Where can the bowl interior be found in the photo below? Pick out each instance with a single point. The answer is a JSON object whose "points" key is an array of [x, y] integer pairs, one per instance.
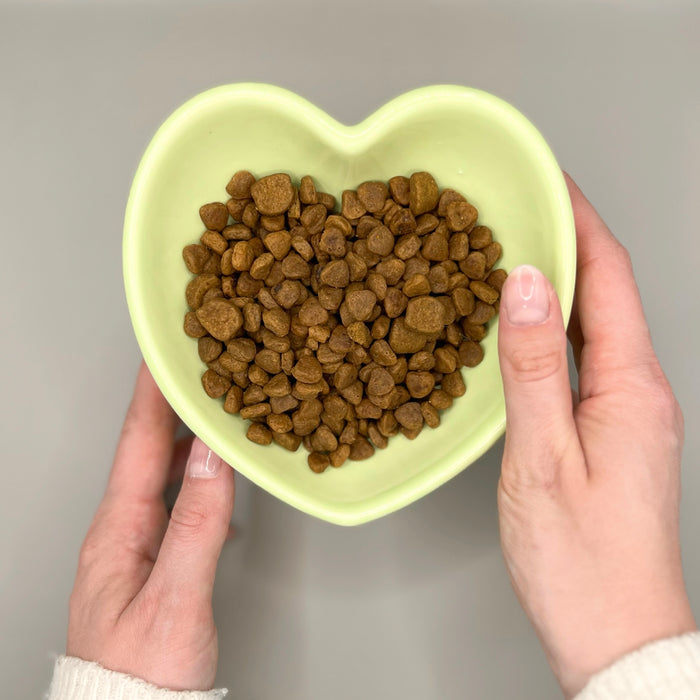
{"points": [[467, 139]]}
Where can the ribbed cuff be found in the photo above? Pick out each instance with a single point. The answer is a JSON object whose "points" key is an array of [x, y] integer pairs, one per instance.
{"points": [[75, 679], [665, 670]]}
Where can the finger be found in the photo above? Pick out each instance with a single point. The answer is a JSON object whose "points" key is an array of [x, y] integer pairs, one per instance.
{"points": [[532, 354], [198, 528], [615, 333], [145, 449]]}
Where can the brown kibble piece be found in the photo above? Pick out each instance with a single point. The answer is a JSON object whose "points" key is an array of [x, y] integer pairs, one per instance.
{"points": [[463, 300], [405, 340], [380, 382], [318, 462], [339, 456], [407, 246], [273, 194], [289, 441], [492, 252], [238, 232], [335, 274], [328, 200], [278, 243], [423, 194], [399, 187], [446, 198], [234, 400], [261, 266], [417, 285], [395, 302], [333, 242], [195, 255], [470, 353], [435, 247], [380, 240], [361, 449], [258, 410], [221, 319], [372, 195], [193, 328], [351, 207], [307, 190], [239, 185], [359, 332], [214, 384], [260, 434], [313, 218], [361, 303], [431, 415], [473, 331], [279, 422], [482, 313], [497, 279], [409, 415], [461, 216], [198, 287], [278, 386], [295, 267], [453, 384], [440, 399], [425, 314], [276, 320], [459, 246], [209, 349], [474, 265], [242, 349], [480, 237], [323, 439], [214, 215], [242, 256], [419, 384], [446, 359], [308, 370], [484, 291], [281, 404], [312, 313]]}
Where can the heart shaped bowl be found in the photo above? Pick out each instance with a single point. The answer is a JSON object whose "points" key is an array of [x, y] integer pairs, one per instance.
{"points": [[468, 139]]}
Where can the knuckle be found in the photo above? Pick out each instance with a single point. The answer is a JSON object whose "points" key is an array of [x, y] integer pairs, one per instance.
{"points": [[89, 552], [189, 519], [532, 362], [623, 257]]}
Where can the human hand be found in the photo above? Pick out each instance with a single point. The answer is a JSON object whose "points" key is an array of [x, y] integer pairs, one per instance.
{"points": [[141, 603], [589, 492]]}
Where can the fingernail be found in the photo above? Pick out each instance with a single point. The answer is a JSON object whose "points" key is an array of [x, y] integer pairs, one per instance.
{"points": [[202, 463], [526, 298]]}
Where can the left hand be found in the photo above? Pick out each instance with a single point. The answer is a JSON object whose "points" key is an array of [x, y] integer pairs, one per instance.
{"points": [[141, 603]]}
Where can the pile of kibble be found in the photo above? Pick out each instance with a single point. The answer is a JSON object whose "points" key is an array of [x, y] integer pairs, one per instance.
{"points": [[339, 330]]}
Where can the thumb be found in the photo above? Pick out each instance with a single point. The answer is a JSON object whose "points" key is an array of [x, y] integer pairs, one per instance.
{"points": [[198, 526], [532, 353]]}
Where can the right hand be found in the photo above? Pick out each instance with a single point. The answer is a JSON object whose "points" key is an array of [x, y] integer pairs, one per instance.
{"points": [[589, 491]]}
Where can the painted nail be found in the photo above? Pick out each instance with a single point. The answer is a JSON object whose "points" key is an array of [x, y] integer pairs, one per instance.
{"points": [[526, 300], [202, 463]]}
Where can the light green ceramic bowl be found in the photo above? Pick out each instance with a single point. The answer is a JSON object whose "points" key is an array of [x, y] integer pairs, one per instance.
{"points": [[468, 139]]}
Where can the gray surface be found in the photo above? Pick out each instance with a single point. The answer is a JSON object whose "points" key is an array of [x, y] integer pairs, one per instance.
{"points": [[416, 605]]}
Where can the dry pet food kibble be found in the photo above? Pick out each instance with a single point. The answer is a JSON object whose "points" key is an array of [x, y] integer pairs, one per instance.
{"points": [[339, 330]]}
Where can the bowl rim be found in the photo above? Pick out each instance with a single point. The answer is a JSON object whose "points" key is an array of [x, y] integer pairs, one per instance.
{"points": [[347, 138]]}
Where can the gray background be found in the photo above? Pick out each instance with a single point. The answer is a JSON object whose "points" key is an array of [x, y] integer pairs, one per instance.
{"points": [[416, 605]]}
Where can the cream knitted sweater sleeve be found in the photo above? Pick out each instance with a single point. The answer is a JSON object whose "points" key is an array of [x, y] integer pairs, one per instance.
{"points": [[664, 670], [75, 679]]}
